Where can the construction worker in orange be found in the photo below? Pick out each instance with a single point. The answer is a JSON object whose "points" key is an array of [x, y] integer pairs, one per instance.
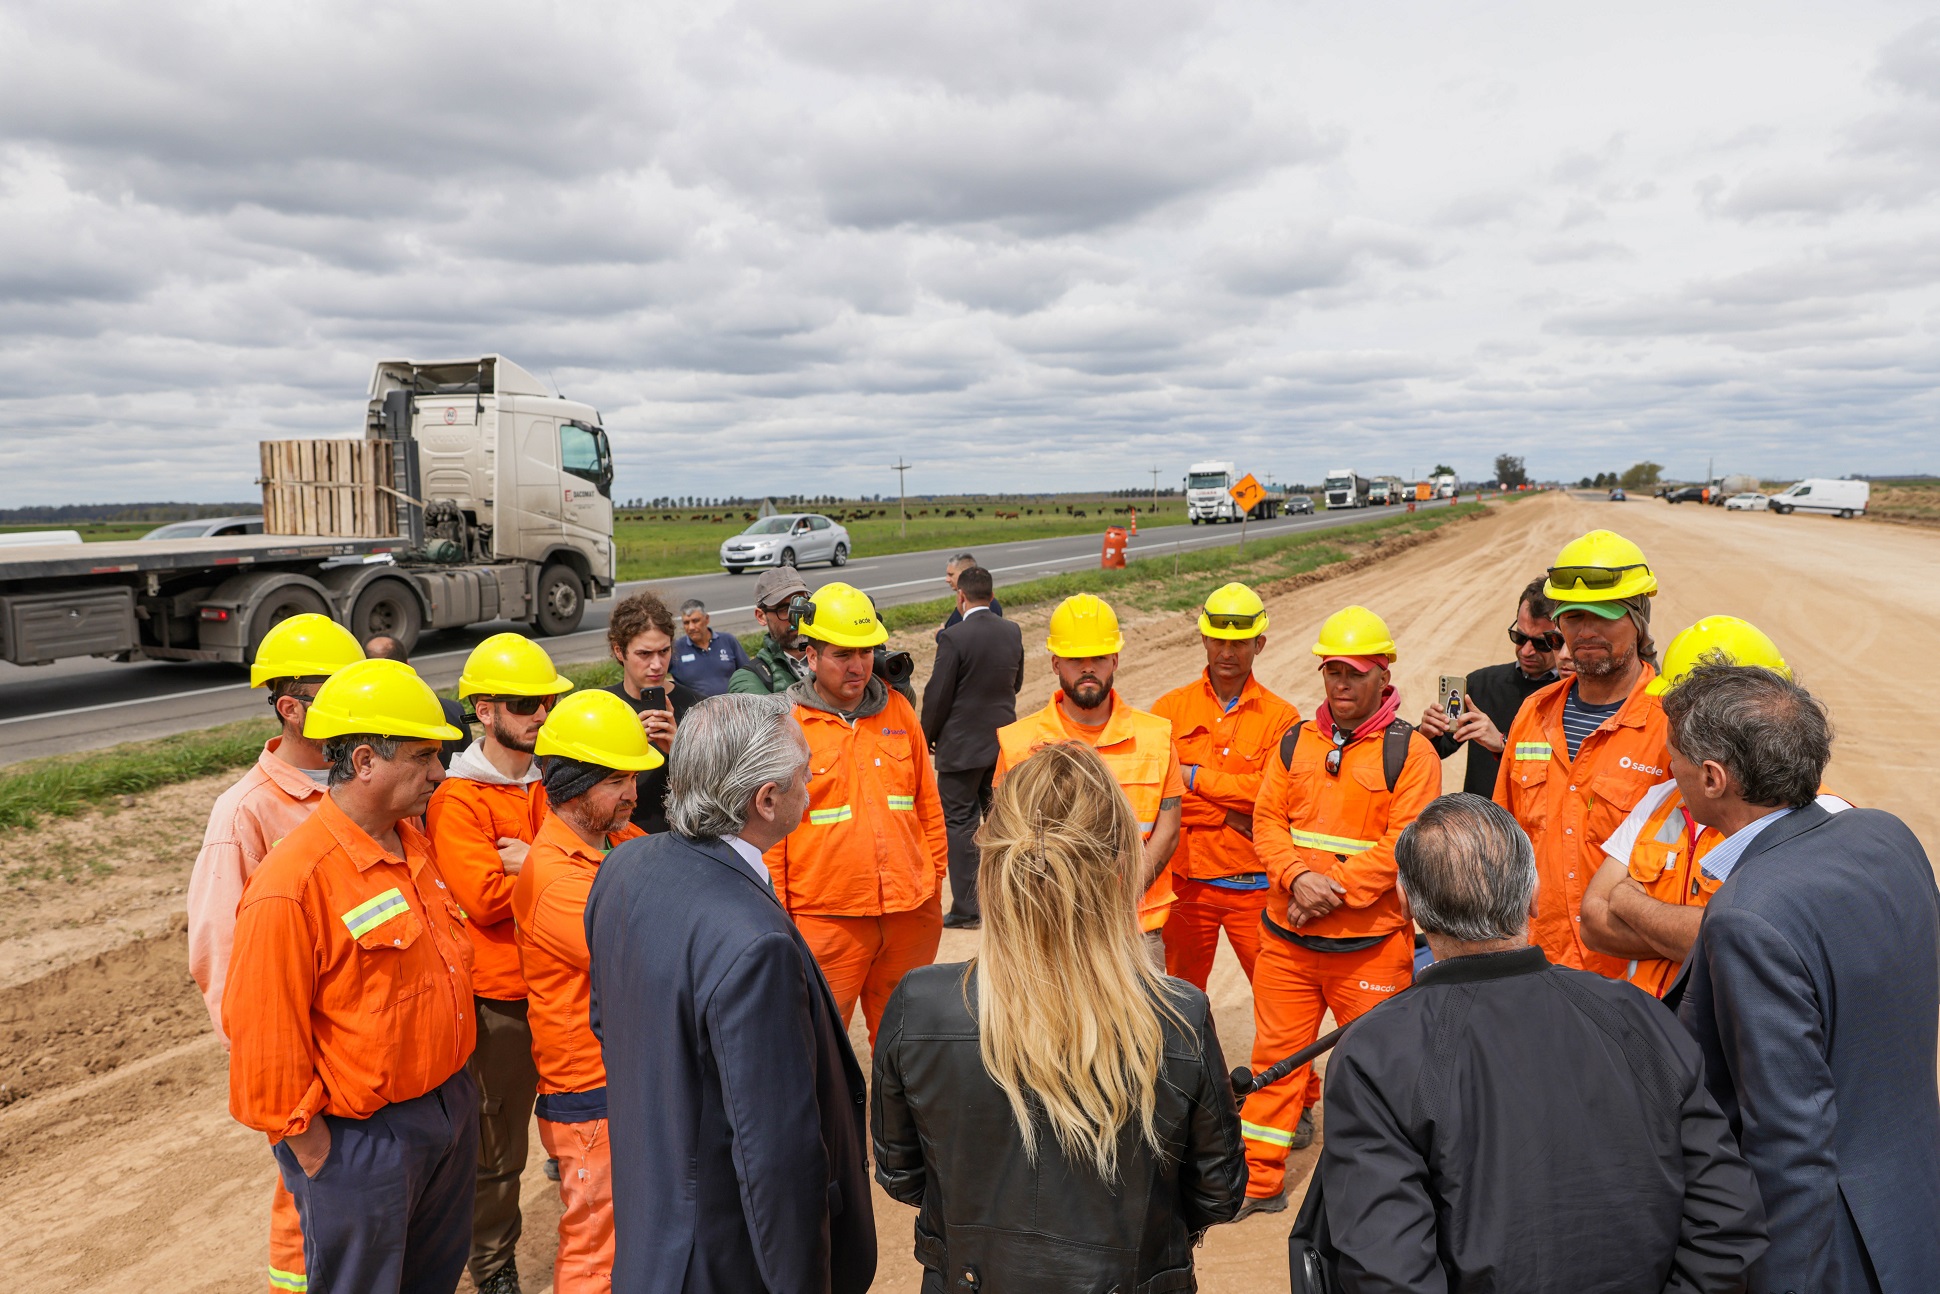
{"points": [[482, 822], [349, 1002], [278, 792], [862, 877], [590, 750], [1646, 900], [1583, 751], [1337, 794], [1136, 746], [1225, 726]]}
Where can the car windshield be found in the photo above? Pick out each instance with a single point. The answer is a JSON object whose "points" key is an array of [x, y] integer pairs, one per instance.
{"points": [[1206, 481], [770, 526], [179, 530]]}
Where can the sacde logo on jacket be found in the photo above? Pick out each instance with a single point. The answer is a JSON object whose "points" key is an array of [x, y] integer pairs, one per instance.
{"points": [[895, 732], [1652, 769]]}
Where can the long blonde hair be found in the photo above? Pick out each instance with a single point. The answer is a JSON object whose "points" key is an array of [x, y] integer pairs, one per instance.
{"points": [[1068, 1002]]}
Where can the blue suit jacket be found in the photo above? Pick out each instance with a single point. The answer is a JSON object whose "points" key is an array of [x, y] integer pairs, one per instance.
{"points": [[1814, 993], [735, 1105]]}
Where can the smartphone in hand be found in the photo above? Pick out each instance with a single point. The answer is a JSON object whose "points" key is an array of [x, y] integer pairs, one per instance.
{"points": [[1450, 691], [653, 698]]}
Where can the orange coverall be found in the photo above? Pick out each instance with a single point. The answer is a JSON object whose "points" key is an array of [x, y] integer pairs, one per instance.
{"points": [[1225, 752], [1570, 807], [549, 907], [1137, 748], [1343, 827], [270, 801], [1664, 861], [862, 877]]}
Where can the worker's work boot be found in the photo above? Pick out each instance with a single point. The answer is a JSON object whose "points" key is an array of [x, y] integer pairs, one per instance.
{"points": [[1303, 1131], [506, 1280], [1261, 1204]]}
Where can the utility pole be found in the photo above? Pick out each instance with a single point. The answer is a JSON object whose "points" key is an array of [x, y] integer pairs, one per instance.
{"points": [[1155, 495], [902, 510]]}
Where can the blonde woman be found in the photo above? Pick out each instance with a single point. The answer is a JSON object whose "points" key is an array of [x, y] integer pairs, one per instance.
{"points": [[1058, 1110]]}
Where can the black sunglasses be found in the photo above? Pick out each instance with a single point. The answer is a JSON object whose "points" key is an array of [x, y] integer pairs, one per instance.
{"points": [[1549, 640], [1226, 620], [1334, 755], [523, 705], [1591, 577]]}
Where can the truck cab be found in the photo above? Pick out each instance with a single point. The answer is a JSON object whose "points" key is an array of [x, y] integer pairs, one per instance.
{"points": [[1207, 499]]}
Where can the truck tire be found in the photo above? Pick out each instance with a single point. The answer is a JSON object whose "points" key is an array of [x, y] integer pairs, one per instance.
{"points": [[561, 603], [389, 609], [278, 606]]}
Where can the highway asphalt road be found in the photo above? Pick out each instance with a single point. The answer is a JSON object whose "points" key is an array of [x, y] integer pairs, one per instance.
{"points": [[88, 704]]}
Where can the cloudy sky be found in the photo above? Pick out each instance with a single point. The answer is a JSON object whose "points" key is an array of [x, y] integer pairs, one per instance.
{"points": [[1028, 245]]}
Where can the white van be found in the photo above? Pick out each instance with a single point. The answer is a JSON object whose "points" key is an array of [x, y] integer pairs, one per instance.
{"points": [[1842, 498]]}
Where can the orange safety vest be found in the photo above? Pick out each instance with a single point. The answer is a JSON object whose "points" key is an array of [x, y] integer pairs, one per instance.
{"points": [[1664, 861], [1570, 807], [1230, 748], [1137, 748]]}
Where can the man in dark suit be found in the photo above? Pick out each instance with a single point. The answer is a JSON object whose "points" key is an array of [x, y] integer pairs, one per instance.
{"points": [[972, 692], [1813, 990], [735, 1106]]}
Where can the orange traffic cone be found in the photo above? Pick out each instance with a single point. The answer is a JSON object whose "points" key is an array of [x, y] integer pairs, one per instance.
{"points": [[1113, 558], [1134, 529]]}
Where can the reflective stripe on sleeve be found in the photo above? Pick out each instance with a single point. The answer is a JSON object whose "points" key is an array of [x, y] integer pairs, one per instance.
{"points": [[829, 817], [372, 913], [1329, 844], [1533, 750], [906, 803], [282, 1280], [1260, 1132]]}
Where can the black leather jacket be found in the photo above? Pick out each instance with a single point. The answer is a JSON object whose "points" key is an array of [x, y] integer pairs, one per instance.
{"points": [[993, 1221]]}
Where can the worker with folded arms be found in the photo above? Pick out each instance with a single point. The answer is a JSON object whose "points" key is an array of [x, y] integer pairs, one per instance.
{"points": [[1647, 899], [349, 1003], [1084, 643], [1583, 751], [862, 877], [1225, 726], [493, 801], [1338, 793], [278, 792], [590, 749]]}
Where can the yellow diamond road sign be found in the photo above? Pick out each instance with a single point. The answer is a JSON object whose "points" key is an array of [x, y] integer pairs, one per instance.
{"points": [[1247, 492]]}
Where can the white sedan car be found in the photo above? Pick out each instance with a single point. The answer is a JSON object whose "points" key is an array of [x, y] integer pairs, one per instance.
{"points": [[792, 539], [1753, 502]]}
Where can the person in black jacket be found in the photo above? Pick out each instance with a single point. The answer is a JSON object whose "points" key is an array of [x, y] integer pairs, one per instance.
{"points": [[1495, 692], [1057, 1109], [1520, 1127], [972, 692], [640, 634], [734, 1104]]}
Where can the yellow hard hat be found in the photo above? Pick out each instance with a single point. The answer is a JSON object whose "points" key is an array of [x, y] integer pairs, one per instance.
{"points": [[1233, 611], [842, 615], [598, 728], [1737, 641], [1084, 626], [511, 665], [304, 646], [383, 697], [1602, 566], [1355, 631]]}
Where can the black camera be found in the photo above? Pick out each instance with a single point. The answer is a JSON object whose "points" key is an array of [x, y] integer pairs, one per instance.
{"points": [[895, 668]]}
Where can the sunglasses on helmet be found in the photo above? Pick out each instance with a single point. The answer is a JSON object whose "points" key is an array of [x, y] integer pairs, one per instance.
{"points": [[1591, 577], [1549, 640], [1232, 620], [524, 705]]}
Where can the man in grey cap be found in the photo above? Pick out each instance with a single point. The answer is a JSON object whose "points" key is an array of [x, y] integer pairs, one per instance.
{"points": [[779, 663]]}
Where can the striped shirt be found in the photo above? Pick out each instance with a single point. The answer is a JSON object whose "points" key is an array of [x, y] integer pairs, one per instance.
{"points": [[1581, 719]]}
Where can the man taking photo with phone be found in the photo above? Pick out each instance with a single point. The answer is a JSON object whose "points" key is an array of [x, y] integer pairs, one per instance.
{"points": [[1494, 693], [641, 637]]}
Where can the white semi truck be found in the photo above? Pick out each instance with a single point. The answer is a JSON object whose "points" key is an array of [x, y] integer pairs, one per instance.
{"points": [[504, 512], [1208, 496], [1445, 485], [1345, 488]]}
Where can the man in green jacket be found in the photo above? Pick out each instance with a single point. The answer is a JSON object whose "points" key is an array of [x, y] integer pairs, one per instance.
{"points": [[775, 667]]}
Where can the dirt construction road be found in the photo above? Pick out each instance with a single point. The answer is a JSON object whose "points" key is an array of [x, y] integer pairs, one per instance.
{"points": [[119, 1166]]}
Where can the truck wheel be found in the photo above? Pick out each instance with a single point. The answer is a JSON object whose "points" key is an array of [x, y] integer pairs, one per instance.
{"points": [[1846, 513], [841, 557], [280, 605], [562, 601], [387, 608]]}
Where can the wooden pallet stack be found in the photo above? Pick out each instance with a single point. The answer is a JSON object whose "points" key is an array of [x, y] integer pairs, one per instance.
{"points": [[336, 488]]}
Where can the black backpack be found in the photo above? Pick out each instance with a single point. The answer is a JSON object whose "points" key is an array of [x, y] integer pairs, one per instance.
{"points": [[1394, 748]]}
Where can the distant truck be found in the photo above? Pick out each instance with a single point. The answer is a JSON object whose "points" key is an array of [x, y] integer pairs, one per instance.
{"points": [[1838, 498], [502, 497], [1209, 498], [1380, 492], [1724, 487], [1445, 485], [1345, 488]]}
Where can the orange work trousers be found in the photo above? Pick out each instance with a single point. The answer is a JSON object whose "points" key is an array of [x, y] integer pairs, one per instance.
{"points": [[584, 1264], [1293, 989], [287, 1274], [1192, 931], [866, 957]]}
